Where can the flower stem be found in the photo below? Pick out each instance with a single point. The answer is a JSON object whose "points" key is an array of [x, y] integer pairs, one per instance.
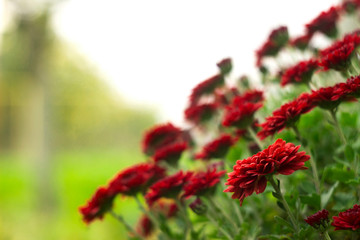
{"points": [[235, 206], [126, 225], [283, 201], [337, 126], [326, 236], [153, 218], [220, 227], [255, 138], [188, 225], [217, 208], [312, 161]]}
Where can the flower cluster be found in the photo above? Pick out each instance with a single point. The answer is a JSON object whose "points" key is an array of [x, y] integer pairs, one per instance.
{"points": [[319, 220]]}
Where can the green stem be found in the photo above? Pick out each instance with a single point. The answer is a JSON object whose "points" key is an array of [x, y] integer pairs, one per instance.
{"points": [[312, 161], [185, 217], [326, 236], [153, 218], [283, 201], [255, 138], [126, 225], [337, 126], [222, 211], [235, 206], [226, 234]]}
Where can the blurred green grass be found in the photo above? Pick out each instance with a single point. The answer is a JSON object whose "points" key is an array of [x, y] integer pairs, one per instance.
{"points": [[75, 177]]}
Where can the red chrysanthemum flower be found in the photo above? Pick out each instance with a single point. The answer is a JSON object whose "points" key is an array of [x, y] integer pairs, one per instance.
{"points": [[98, 205], [351, 87], [301, 42], [217, 148], [351, 38], [206, 87], [300, 73], [330, 97], [324, 23], [240, 115], [286, 116], [338, 59], [223, 96], [200, 113], [276, 40], [319, 220], [145, 227], [169, 187], [170, 153], [136, 178], [253, 96], [198, 207], [225, 66], [249, 175], [203, 183], [350, 6], [348, 220], [158, 136], [279, 36], [268, 49]]}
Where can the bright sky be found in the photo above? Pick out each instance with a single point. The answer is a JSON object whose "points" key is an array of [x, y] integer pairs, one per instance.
{"points": [[154, 52]]}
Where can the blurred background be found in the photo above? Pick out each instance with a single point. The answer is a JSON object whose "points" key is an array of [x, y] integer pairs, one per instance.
{"points": [[80, 81]]}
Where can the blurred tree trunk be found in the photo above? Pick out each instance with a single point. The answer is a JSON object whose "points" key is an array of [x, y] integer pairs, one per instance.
{"points": [[26, 112]]}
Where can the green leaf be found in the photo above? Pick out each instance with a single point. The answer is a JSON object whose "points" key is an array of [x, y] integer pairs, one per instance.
{"points": [[325, 197], [349, 153], [273, 237], [312, 200], [276, 195], [283, 222], [340, 174]]}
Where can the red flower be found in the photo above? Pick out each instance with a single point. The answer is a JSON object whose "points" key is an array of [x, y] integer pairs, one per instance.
{"points": [[300, 73], [338, 59], [330, 97], [301, 42], [200, 113], [145, 226], [99, 204], [203, 183], [349, 6], [169, 187], [286, 116], [276, 40], [253, 96], [218, 148], [249, 175], [279, 36], [351, 87], [198, 207], [266, 50], [240, 115], [223, 96], [136, 179], [324, 23], [319, 220], [351, 38], [170, 153], [206, 87], [158, 136], [348, 220], [225, 66]]}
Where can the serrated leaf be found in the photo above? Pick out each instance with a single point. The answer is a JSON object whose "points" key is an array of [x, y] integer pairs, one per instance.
{"points": [[338, 174]]}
